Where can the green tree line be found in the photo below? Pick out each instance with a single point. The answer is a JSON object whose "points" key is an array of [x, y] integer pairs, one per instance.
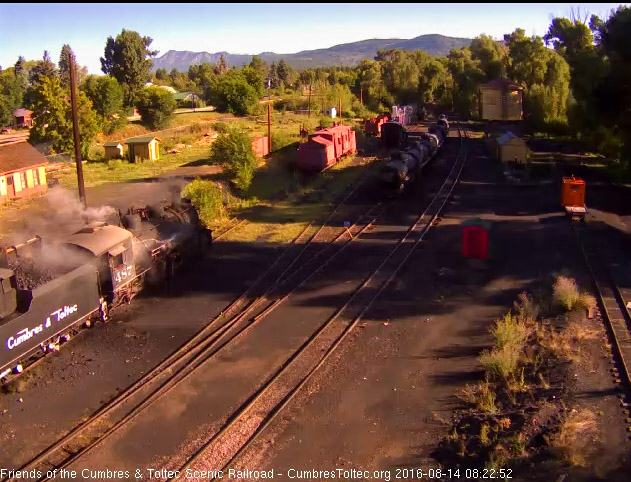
{"points": [[575, 81]]}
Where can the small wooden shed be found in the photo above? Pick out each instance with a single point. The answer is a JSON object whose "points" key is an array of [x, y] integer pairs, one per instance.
{"points": [[147, 147], [113, 150], [511, 148], [23, 117]]}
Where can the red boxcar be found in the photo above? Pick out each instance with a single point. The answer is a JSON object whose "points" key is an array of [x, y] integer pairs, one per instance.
{"points": [[325, 147], [372, 127], [316, 155]]}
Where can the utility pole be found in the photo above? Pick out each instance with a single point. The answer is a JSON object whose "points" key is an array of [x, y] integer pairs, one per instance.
{"points": [[341, 120], [309, 100], [75, 131], [361, 96], [269, 127]]}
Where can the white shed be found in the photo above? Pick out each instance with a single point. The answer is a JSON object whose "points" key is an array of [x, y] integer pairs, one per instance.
{"points": [[330, 112], [511, 148]]}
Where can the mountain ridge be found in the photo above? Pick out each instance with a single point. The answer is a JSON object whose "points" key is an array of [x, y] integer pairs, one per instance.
{"points": [[347, 54]]}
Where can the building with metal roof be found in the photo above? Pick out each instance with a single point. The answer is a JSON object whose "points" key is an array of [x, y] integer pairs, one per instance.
{"points": [[114, 150], [501, 100], [510, 148]]}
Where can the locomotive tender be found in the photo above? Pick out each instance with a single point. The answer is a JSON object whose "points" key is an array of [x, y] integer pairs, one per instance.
{"points": [[47, 291]]}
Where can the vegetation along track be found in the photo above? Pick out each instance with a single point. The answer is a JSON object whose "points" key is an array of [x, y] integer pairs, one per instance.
{"points": [[603, 263], [249, 420], [283, 277]]}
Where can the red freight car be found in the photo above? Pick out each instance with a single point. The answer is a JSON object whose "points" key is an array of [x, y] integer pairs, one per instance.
{"points": [[325, 147], [372, 127], [260, 146]]}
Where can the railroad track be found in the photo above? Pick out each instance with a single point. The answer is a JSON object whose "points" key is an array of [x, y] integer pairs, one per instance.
{"points": [[273, 287], [603, 265], [239, 222], [249, 420]]}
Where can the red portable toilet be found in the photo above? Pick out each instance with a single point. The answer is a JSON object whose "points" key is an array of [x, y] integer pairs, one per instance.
{"points": [[475, 238]]}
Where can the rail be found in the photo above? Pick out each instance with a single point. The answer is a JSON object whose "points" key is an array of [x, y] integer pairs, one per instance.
{"points": [[346, 318]]}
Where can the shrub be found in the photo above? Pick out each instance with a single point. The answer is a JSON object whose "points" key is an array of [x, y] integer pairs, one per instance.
{"points": [[572, 440], [292, 103], [509, 332], [585, 301], [233, 150], [565, 293], [481, 396], [221, 127], [501, 362], [207, 197], [526, 307], [156, 107]]}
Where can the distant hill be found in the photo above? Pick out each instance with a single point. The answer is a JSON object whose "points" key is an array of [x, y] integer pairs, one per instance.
{"points": [[343, 54]]}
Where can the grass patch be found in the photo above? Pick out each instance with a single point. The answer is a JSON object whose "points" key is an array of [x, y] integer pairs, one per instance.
{"points": [[117, 170], [281, 202]]}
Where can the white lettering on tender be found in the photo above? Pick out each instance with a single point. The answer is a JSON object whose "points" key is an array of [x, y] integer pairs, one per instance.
{"points": [[26, 334]]}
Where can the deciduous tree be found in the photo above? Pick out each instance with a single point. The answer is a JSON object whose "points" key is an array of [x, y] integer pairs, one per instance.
{"points": [[51, 106], [156, 107], [106, 96], [128, 59], [233, 150], [232, 93]]}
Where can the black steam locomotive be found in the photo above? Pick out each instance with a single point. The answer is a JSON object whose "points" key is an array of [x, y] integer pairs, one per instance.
{"points": [[405, 166], [48, 291]]}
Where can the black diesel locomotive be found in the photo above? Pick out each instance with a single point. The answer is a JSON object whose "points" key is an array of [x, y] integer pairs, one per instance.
{"points": [[405, 166], [48, 291]]}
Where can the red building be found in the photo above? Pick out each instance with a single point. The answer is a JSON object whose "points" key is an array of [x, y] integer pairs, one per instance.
{"points": [[22, 171]]}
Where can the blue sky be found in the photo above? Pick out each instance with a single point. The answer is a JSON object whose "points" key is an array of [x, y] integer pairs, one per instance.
{"points": [[28, 29]]}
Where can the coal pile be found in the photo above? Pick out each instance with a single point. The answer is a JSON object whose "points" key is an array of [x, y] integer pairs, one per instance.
{"points": [[29, 275]]}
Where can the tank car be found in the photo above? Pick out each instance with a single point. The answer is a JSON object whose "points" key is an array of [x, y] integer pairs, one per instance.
{"points": [[405, 167], [442, 120]]}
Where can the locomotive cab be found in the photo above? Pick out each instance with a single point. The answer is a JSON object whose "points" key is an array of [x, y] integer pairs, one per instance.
{"points": [[111, 249]]}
